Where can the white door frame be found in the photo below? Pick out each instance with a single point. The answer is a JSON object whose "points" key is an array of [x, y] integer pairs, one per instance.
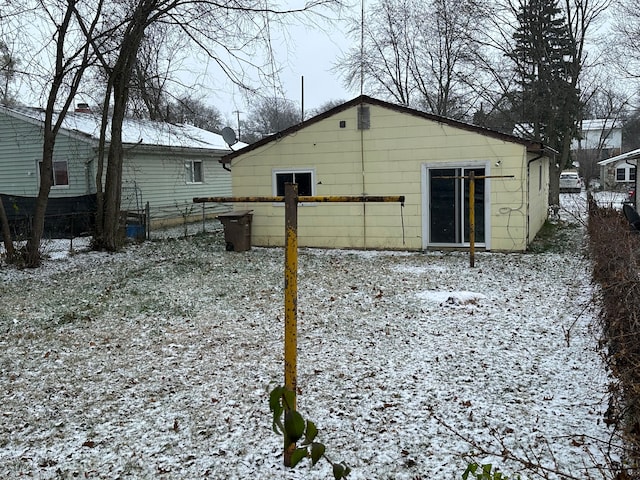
{"points": [[486, 164]]}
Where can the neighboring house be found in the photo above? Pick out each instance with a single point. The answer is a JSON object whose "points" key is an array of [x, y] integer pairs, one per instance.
{"points": [[598, 139], [619, 172], [367, 146], [165, 165], [603, 135]]}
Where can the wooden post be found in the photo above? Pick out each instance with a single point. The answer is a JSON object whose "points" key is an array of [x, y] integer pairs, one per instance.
{"points": [[147, 220], [472, 219], [290, 302], [204, 225], [71, 240]]}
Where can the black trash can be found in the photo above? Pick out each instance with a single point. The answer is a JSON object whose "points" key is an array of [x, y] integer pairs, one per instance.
{"points": [[237, 230]]}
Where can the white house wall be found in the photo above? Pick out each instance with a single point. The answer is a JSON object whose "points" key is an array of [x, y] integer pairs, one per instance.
{"points": [[538, 194], [593, 132]]}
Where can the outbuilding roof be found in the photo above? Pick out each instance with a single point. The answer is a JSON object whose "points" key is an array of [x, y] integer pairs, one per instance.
{"points": [[632, 155], [532, 146]]}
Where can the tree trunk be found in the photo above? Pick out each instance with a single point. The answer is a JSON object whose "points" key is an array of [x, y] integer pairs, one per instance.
{"points": [[555, 169], [110, 237], [554, 182], [32, 250], [6, 233], [68, 73]]}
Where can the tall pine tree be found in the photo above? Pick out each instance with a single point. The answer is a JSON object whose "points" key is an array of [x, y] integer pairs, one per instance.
{"points": [[544, 56]]}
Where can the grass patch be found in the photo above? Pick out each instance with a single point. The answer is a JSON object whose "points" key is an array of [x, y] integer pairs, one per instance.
{"points": [[557, 237]]}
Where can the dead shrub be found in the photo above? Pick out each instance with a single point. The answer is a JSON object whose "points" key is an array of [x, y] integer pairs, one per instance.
{"points": [[615, 254]]}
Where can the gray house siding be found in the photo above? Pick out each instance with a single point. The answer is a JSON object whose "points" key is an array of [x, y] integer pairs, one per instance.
{"points": [[21, 151], [161, 180], [153, 165]]}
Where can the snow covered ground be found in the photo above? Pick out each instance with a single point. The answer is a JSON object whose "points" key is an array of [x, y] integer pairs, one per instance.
{"points": [[157, 362]]}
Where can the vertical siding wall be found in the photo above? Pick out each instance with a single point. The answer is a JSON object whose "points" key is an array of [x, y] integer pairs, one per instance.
{"points": [[387, 159], [21, 151]]}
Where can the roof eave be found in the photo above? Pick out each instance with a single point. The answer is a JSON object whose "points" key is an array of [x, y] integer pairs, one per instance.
{"points": [[534, 147], [632, 155], [174, 149]]}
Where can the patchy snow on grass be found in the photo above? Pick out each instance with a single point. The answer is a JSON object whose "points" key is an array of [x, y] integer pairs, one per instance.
{"points": [[157, 362], [452, 298]]}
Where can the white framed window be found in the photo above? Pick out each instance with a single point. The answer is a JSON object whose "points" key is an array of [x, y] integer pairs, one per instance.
{"points": [[194, 172], [59, 173], [304, 178], [625, 173]]}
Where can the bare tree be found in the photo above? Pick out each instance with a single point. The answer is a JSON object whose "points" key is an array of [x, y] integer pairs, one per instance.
{"points": [[268, 116], [8, 66], [159, 57], [195, 112], [381, 64], [417, 54], [625, 44], [232, 36], [235, 28], [443, 50], [71, 59], [497, 66], [325, 107], [609, 107]]}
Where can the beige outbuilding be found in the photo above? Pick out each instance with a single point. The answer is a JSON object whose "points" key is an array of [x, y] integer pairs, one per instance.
{"points": [[370, 147]]}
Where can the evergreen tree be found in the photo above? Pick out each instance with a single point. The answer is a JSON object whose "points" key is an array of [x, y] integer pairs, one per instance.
{"points": [[544, 56]]}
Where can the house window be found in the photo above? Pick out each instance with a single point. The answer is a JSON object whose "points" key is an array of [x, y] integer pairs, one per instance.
{"points": [[59, 173], [193, 171], [304, 179], [625, 173]]}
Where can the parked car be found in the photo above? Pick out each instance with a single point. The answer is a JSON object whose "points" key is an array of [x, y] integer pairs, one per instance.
{"points": [[570, 182]]}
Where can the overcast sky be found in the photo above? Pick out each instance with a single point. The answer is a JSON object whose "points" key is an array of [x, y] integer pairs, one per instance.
{"points": [[302, 51], [308, 53]]}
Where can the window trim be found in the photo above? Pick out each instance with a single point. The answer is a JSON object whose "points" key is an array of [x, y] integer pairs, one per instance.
{"points": [[189, 172], [627, 169], [274, 182], [53, 174]]}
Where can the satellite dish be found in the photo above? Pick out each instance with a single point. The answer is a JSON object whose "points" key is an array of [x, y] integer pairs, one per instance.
{"points": [[229, 136]]}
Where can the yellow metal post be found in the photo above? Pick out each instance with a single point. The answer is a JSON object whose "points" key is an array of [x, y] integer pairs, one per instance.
{"points": [[291, 200], [472, 209], [472, 219], [290, 302]]}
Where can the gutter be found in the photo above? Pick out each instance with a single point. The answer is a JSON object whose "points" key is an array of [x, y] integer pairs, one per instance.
{"points": [[529, 162]]}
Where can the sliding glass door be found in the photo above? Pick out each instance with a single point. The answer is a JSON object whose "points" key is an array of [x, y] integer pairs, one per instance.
{"points": [[448, 204]]}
